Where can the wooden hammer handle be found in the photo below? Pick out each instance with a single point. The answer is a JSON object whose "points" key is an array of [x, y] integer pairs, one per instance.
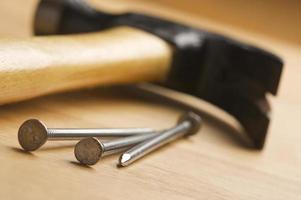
{"points": [[42, 65]]}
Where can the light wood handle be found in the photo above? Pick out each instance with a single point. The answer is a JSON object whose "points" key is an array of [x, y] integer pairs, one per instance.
{"points": [[42, 65]]}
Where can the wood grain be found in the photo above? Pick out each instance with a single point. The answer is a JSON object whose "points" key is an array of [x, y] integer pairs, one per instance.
{"points": [[214, 164], [42, 65]]}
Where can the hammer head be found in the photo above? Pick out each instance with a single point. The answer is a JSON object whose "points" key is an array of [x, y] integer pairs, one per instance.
{"points": [[229, 74]]}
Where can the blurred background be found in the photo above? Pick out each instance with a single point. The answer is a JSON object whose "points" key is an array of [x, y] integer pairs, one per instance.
{"points": [[273, 18], [274, 25]]}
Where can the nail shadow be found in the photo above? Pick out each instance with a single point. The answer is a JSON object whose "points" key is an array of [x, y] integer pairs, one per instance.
{"points": [[21, 151], [119, 166], [79, 165], [56, 148]]}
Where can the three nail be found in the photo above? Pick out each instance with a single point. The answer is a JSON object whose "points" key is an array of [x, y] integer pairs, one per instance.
{"points": [[134, 144]]}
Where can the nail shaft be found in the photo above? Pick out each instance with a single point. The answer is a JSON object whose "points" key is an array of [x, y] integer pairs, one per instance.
{"points": [[33, 133], [188, 124], [89, 151], [75, 134]]}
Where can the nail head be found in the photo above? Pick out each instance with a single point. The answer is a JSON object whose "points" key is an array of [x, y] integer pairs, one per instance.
{"points": [[194, 119], [88, 151], [32, 134]]}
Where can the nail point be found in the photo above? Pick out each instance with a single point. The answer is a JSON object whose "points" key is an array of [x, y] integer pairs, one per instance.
{"points": [[124, 159]]}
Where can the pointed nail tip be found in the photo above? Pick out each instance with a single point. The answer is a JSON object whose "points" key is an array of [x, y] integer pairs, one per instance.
{"points": [[124, 159]]}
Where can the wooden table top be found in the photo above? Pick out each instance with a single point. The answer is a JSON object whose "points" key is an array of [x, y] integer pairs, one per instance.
{"points": [[214, 164]]}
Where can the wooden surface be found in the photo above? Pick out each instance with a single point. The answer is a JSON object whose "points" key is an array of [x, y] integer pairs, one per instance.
{"points": [[214, 164]]}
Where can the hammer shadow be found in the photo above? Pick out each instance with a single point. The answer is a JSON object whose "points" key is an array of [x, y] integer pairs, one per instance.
{"points": [[237, 136]]}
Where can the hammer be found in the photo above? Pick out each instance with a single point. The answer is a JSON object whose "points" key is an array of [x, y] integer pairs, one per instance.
{"points": [[131, 48]]}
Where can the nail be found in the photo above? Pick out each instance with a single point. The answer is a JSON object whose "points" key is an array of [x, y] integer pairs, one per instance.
{"points": [[89, 151], [33, 133], [188, 124]]}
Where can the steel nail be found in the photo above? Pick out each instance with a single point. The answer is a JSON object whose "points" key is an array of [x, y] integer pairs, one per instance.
{"points": [[89, 151], [33, 133], [188, 124]]}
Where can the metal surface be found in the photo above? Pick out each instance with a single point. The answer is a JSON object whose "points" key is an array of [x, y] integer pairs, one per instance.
{"points": [[230, 74], [89, 151], [188, 124], [33, 133]]}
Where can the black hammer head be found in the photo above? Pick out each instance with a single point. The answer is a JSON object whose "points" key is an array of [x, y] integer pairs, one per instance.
{"points": [[229, 74]]}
